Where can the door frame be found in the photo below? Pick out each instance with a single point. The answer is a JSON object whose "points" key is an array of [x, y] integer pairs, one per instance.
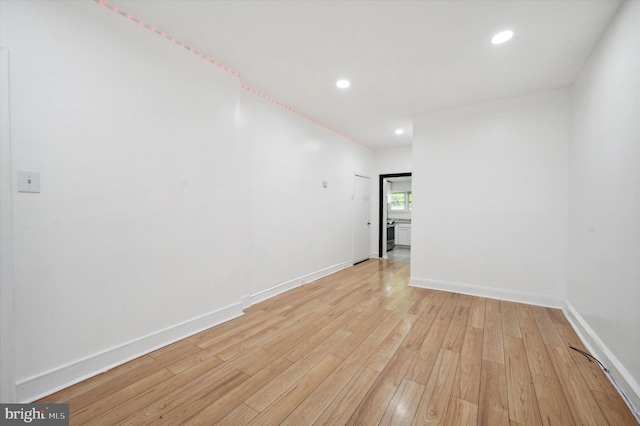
{"points": [[381, 205], [7, 322]]}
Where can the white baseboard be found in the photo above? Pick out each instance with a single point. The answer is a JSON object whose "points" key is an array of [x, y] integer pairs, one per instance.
{"points": [[619, 375], [489, 292], [252, 299], [59, 378]]}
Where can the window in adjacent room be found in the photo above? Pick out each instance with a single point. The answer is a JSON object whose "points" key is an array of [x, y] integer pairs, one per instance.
{"points": [[400, 201]]}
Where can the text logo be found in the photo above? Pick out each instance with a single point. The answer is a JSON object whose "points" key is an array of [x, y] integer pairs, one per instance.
{"points": [[35, 414]]}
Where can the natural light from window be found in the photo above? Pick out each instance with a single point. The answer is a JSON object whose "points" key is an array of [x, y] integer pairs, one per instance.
{"points": [[400, 201]]}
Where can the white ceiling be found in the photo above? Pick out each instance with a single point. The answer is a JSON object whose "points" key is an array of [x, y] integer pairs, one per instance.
{"points": [[403, 58]]}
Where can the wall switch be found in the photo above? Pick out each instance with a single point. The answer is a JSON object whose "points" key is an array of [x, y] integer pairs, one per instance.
{"points": [[28, 181]]}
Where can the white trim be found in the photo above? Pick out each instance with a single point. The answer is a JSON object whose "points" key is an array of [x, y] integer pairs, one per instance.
{"points": [[61, 377], [620, 377], [489, 292], [252, 299], [7, 324]]}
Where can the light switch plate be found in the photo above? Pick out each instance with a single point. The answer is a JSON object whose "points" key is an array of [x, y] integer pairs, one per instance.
{"points": [[28, 181]]}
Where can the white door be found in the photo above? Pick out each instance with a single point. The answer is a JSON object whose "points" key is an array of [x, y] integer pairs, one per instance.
{"points": [[361, 223]]}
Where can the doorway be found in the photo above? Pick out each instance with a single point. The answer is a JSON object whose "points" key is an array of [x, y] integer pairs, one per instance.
{"points": [[383, 244]]}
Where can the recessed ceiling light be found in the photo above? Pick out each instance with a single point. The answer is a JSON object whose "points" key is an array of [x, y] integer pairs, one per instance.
{"points": [[502, 37], [399, 131], [343, 84]]}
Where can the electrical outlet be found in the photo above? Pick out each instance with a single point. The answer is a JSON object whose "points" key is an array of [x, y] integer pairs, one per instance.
{"points": [[28, 181]]}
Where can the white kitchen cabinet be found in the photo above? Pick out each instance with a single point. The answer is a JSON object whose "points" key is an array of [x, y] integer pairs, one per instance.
{"points": [[404, 234]]}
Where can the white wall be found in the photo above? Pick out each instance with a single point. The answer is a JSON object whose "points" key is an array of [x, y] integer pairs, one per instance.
{"points": [[136, 238], [385, 161], [490, 212], [402, 186], [603, 286], [297, 225]]}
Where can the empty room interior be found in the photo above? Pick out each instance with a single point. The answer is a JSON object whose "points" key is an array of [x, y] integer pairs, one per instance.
{"points": [[321, 212]]}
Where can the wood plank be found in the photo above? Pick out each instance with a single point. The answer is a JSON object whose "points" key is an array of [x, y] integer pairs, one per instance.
{"points": [[190, 361], [448, 307], [569, 336], [199, 379], [439, 297], [313, 406], [348, 369], [212, 335], [465, 300], [493, 305], [363, 332], [593, 375], [385, 351], [614, 409], [260, 400], [523, 405], [282, 341], [461, 412], [419, 331], [546, 327], [539, 362], [121, 382], [584, 407], [428, 353], [492, 348], [557, 316], [237, 343], [375, 402], [424, 301], [476, 314], [114, 400], [493, 407], [403, 406], [241, 415], [170, 353], [314, 339], [345, 403], [288, 401], [510, 325], [403, 298], [359, 355], [524, 311], [435, 399], [194, 399], [553, 405], [457, 327], [131, 410], [222, 408], [466, 384]]}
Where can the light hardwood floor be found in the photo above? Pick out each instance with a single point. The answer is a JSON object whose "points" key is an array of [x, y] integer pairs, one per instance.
{"points": [[362, 347]]}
